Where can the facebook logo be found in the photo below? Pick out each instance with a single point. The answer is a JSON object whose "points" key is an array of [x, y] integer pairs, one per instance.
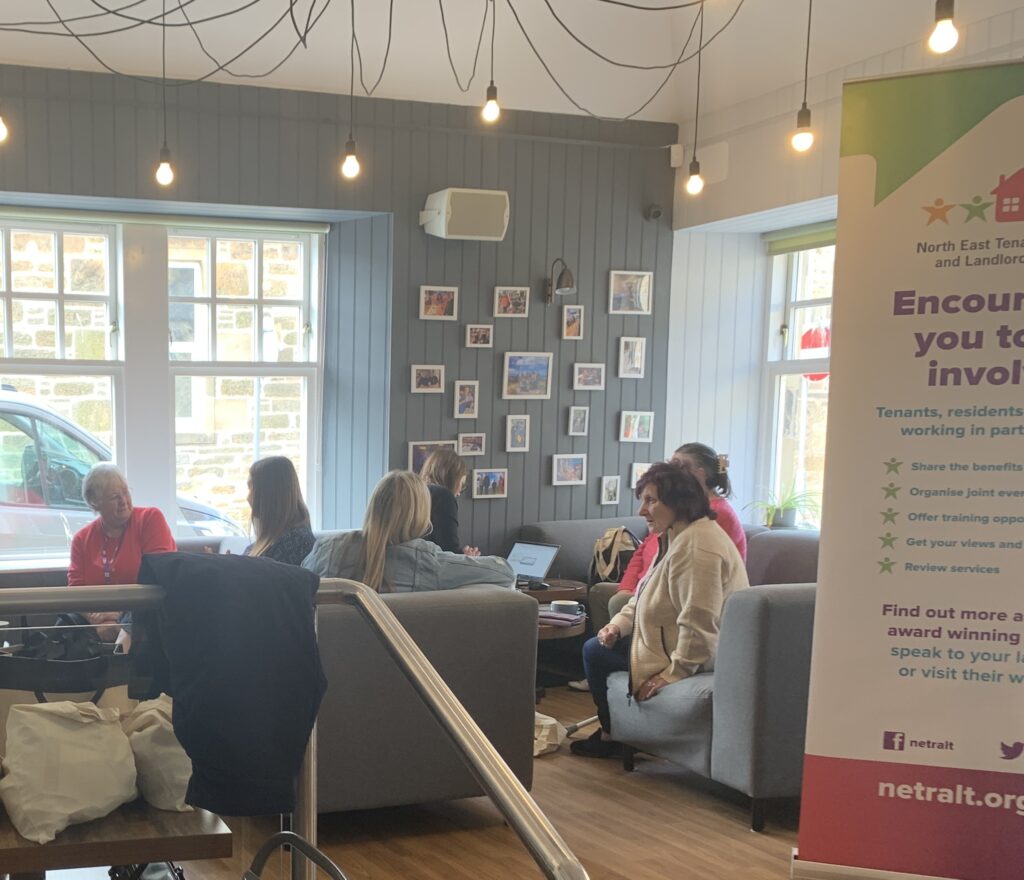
{"points": [[893, 741]]}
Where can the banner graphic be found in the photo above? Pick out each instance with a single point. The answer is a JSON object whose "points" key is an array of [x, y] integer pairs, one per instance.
{"points": [[915, 738]]}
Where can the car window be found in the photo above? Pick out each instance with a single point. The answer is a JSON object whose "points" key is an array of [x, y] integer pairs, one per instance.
{"points": [[67, 462], [20, 481]]}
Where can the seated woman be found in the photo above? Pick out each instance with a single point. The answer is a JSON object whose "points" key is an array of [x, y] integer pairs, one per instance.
{"points": [[712, 470], [109, 550], [279, 515], [445, 475], [390, 554], [668, 631]]}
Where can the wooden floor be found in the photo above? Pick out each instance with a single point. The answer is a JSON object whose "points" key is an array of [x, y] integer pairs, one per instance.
{"points": [[645, 825]]}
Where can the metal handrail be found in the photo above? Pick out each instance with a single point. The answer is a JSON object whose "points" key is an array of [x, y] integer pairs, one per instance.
{"points": [[549, 851]]}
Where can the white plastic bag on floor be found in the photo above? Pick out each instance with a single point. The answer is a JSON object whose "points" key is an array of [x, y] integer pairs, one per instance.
{"points": [[548, 734], [163, 767], [65, 763]]}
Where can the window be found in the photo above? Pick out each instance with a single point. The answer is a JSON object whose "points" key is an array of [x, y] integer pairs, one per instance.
{"points": [[242, 307], [798, 372]]}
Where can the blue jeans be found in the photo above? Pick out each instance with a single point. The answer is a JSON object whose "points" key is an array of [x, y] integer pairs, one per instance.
{"points": [[598, 663]]}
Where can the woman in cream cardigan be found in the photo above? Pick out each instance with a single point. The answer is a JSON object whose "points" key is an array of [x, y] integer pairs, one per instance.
{"points": [[668, 631]]}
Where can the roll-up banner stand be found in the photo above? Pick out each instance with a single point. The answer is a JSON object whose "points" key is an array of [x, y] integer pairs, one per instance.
{"points": [[915, 738]]}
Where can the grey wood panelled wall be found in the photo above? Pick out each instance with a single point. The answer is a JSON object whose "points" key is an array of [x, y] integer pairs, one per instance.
{"points": [[578, 188], [717, 348]]}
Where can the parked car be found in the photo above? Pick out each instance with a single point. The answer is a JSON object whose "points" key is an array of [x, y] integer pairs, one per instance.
{"points": [[43, 460]]}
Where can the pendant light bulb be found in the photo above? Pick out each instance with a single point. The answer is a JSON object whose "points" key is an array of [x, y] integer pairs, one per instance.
{"points": [[695, 183], [944, 35], [803, 138], [165, 171], [491, 110], [350, 167], [3, 130]]}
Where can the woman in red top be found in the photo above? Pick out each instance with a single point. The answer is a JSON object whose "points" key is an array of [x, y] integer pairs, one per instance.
{"points": [[109, 550], [712, 470]]}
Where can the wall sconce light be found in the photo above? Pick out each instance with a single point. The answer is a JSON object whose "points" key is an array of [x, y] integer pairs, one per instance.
{"points": [[564, 286]]}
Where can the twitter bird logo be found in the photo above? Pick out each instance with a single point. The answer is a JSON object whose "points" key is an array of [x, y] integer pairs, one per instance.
{"points": [[1011, 752]]}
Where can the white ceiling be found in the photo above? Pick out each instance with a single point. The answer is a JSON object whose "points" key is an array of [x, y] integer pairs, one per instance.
{"points": [[761, 51]]}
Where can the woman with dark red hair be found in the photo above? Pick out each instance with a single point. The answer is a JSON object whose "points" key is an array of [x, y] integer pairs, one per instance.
{"points": [[668, 631]]}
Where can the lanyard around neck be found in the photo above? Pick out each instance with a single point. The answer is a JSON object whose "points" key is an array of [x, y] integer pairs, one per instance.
{"points": [[108, 560]]}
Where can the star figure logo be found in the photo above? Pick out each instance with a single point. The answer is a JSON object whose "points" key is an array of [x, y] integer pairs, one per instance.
{"points": [[888, 540], [892, 490], [892, 466], [889, 516], [938, 210], [885, 565], [976, 208]]}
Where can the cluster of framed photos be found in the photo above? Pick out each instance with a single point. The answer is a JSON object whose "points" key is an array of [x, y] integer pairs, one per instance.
{"points": [[528, 376]]}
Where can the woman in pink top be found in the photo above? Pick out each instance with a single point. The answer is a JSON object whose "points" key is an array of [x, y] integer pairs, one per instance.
{"points": [[712, 470]]}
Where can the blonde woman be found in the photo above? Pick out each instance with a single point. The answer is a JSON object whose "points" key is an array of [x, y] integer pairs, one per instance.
{"points": [[280, 518], [390, 554], [445, 475]]}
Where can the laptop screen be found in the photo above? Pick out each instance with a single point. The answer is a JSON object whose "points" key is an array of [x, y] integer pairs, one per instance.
{"points": [[532, 560]]}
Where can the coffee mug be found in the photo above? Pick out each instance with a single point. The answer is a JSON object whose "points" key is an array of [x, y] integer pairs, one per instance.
{"points": [[565, 606]]}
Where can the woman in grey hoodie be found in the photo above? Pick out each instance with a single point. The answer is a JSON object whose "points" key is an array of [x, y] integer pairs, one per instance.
{"points": [[390, 555]]}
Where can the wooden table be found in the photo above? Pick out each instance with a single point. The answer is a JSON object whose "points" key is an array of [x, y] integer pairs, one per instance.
{"points": [[575, 591], [546, 631], [133, 834]]}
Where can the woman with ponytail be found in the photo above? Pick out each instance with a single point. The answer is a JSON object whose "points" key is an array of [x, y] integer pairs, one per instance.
{"points": [[390, 553], [712, 470]]}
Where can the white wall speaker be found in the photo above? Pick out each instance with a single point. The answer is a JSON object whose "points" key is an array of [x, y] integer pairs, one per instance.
{"points": [[470, 214]]}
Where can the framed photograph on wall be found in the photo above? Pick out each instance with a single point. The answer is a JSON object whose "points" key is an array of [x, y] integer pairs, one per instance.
{"points": [[636, 471], [630, 293], [610, 490], [472, 444], [467, 398], [632, 357], [579, 421], [439, 303], [428, 379], [636, 427], [511, 302], [517, 433], [588, 377], [572, 322], [527, 375], [479, 336], [490, 483], [569, 470], [419, 451]]}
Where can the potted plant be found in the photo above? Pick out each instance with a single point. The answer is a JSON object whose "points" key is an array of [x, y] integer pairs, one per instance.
{"points": [[780, 508]]}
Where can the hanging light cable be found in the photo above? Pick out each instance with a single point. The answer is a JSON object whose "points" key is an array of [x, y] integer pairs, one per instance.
{"points": [[164, 170], [492, 110], [803, 138], [350, 166], [695, 183], [944, 35]]}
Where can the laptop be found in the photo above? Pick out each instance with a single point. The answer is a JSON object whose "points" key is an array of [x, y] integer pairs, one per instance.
{"points": [[531, 563]]}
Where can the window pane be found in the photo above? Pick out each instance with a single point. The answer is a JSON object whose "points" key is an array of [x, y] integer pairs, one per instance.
{"points": [[282, 334], [188, 262], [85, 401], [189, 331], [800, 451], [67, 462], [85, 263], [282, 269], [33, 261], [35, 328], [236, 333], [812, 332], [236, 268], [815, 269], [85, 330], [223, 424], [19, 469]]}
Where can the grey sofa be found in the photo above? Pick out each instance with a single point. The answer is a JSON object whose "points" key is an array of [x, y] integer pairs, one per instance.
{"points": [[741, 723], [378, 744]]}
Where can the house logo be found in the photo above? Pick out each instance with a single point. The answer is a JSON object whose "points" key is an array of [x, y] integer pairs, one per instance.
{"points": [[1008, 204], [894, 741]]}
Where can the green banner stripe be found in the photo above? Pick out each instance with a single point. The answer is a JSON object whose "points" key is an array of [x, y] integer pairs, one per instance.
{"points": [[905, 122]]}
